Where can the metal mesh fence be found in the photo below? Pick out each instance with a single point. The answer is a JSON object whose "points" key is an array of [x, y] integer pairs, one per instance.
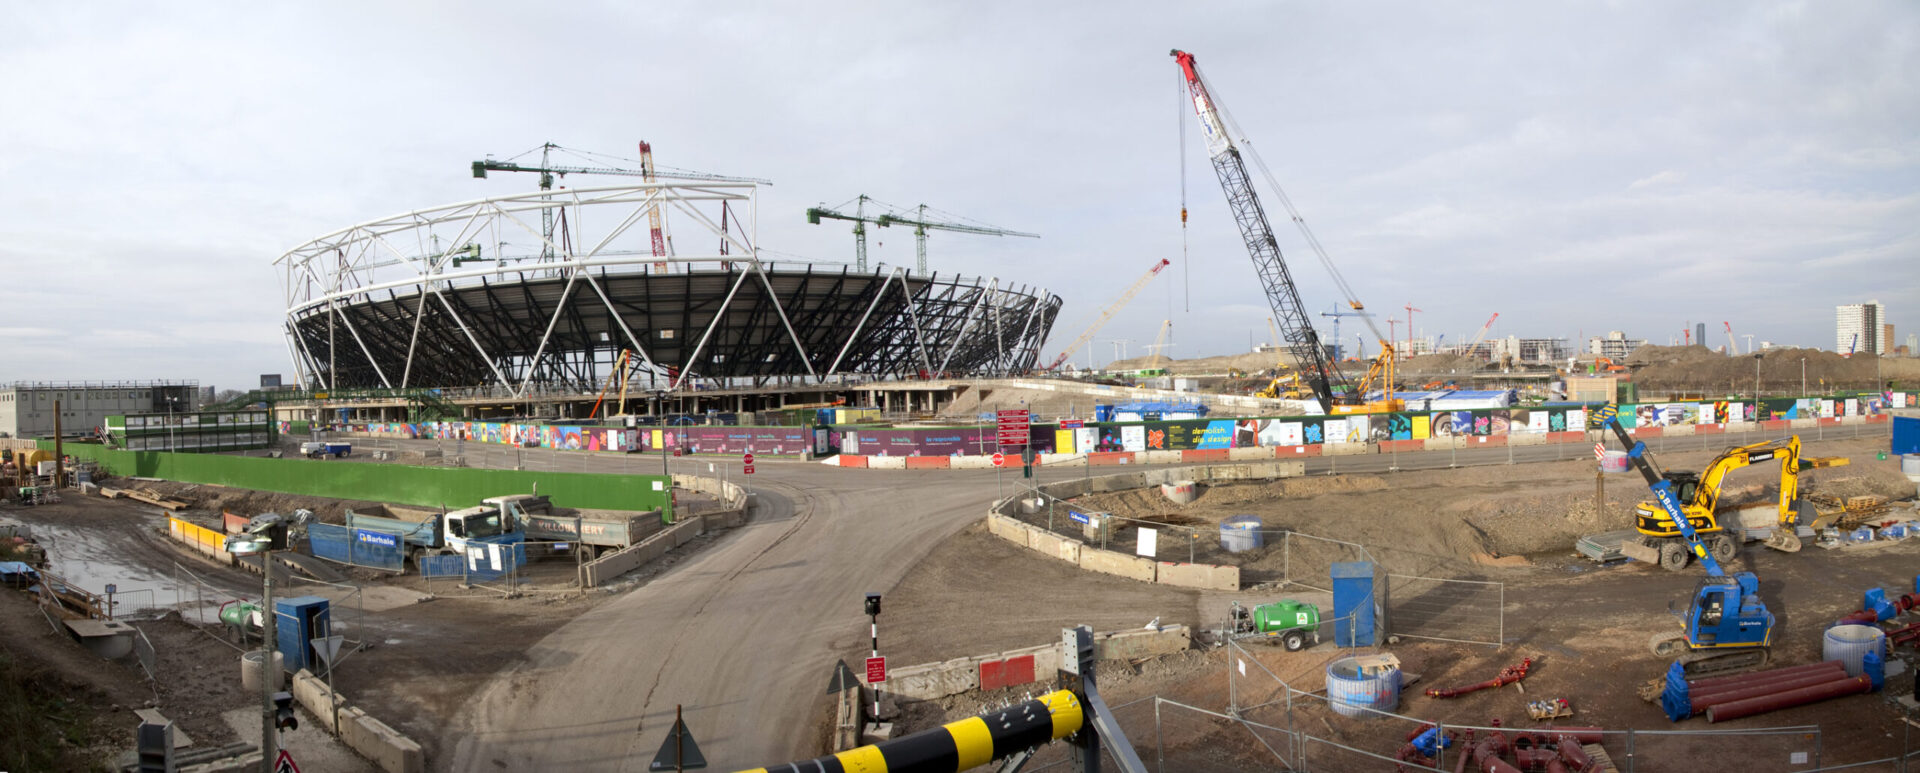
{"points": [[490, 566], [1464, 611]]}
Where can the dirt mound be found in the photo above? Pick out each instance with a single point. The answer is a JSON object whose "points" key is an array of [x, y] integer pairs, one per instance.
{"points": [[214, 500], [1253, 362], [1780, 370], [1437, 364]]}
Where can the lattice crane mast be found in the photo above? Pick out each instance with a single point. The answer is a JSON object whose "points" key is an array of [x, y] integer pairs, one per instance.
{"points": [[1107, 314], [921, 224], [860, 221], [1283, 296], [1481, 336], [647, 171]]}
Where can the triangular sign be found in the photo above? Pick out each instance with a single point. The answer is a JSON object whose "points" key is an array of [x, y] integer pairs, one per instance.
{"points": [[284, 764], [678, 752], [327, 647]]}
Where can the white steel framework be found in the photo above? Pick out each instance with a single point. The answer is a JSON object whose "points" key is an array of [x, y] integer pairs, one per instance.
{"points": [[475, 293]]}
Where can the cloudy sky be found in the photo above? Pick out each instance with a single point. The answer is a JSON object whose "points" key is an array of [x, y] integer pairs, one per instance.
{"points": [[1576, 167]]}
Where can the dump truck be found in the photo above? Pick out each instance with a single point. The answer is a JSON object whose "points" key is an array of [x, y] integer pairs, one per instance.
{"points": [[1292, 622], [603, 531], [317, 449], [432, 532]]}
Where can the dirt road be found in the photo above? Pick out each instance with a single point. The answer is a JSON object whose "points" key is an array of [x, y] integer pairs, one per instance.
{"points": [[741, 636]]}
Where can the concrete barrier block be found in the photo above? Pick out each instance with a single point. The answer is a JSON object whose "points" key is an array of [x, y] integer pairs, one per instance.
{"points": [[1206, 576], [1649, 431], [1709, 429], [1678, 430], [1205, 455], [1046, 459], [887, 462], [312, 694], [1101, 458], [1803, 423], [1527, 439], [1128, 645], [386, 747], [1119, 482], [1008, 529], [1853, 420], [1118, 564], [1878, 417], [685, 531], [851, 460], [927, 462], [1346, 449], [1441, 443], [1283, 452], [935, 680], [1159, 457], [1289, 469], [1047, 543], [1250, 453], [970, 463], [1393, 446], [1567, 437]]}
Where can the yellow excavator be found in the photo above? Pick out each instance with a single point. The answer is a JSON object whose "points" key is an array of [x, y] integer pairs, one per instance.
{"points": [[1379, 372], [1699, 494]]}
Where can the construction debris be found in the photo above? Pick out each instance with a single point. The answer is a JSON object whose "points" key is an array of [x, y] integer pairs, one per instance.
{"points": [[1509, 675]]}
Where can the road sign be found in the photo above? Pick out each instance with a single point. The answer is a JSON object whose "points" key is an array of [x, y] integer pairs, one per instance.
{"points": [[1600, 451], [999, 460], [327, 647], [1072, 423], [678, 752], [1078, 517], [1014, 428], [876, 670], [748, 458], [284, 763], [749, 469]]}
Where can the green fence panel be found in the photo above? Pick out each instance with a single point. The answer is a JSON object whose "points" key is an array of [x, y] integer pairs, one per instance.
{"points": [[452, 487]]}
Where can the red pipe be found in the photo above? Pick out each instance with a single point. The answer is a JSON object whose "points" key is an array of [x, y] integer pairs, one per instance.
{"points": [[1531, 759], [1826, 670], [1507, 676], [1789, 699], [1581, 734], [1755, 691], [1556, 766], [1862, 617], [1571, 752], [1697, 684], [1487, 760]]}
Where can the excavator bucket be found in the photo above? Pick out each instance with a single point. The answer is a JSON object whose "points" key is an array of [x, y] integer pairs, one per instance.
{"points": [[1784, 540]]}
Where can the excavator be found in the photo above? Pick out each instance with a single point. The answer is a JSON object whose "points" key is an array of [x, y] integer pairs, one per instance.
{"points": [[1726, 626], [1662, 541]]}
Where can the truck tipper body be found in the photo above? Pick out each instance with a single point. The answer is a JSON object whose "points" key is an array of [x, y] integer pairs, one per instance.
{"points": [[606, 530]]}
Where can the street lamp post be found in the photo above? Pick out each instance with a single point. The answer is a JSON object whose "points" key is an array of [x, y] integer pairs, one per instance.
{"points": [[1803, 377], [1756, 378], [170, 439]]}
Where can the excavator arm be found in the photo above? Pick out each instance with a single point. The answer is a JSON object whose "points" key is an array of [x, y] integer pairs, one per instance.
{"points": [[1662, 489]]}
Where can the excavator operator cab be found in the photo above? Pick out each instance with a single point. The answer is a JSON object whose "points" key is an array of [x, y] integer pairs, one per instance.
{"points": [[1685, 486], [1711, 608]]}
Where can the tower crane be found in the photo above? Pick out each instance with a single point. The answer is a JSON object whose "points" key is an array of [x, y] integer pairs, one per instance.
{"points": [[860, 221], [1108, 313], [1733, 347], [647, 171], [920, 226], [1336, 314], [1322, 375], [1480, 336]]}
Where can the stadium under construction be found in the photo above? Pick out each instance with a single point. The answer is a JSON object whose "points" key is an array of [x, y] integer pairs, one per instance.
{"points": [[534, 303]]}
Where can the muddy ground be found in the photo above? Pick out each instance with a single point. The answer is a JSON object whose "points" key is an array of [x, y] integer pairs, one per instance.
{"points": [[420, 663], [1586, 626], [1450, 521]]}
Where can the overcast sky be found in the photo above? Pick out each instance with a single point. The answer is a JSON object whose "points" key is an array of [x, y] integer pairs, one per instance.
{"points": [[1576, 167]]}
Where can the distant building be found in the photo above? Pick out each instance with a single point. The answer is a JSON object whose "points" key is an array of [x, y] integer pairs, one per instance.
{"points": [[26, 407], [1886, 338], [1700, 333], [1858, 327], [1616, 345]]}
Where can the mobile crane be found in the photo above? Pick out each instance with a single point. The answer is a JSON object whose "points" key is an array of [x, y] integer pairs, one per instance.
{"points": [[1726, 627], [1699, 494], [1309, 355]]}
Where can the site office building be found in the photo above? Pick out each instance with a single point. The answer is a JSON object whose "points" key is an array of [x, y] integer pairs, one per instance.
{"points": [[26, 407]]}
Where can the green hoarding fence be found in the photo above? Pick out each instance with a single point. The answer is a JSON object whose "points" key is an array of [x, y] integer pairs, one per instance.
{"points": [[452, 487]]}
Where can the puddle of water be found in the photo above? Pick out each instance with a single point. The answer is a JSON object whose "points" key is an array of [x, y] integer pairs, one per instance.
{"points": [[89, 561]]}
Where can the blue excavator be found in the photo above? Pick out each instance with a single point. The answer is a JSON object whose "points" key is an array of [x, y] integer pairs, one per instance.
{"points": [[1726, 627]]}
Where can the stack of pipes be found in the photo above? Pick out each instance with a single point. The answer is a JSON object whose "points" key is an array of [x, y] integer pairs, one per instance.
{"points": [[1723, 698], [1552, 749]]}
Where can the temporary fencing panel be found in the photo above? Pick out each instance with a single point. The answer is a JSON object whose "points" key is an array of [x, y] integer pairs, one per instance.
{"points": [[1463, 611], [481, 563], [370, 548]]}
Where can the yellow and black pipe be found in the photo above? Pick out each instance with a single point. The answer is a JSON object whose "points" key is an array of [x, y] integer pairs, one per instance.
{"points": [[957, 746]]}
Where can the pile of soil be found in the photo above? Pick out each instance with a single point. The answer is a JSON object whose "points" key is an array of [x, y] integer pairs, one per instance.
{"points": [[1700, 368], [1446, 521], [1439, 364], [213, 500]]}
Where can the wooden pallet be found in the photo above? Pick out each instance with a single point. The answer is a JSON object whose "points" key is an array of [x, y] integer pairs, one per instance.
{"points": [[1601, 762]]}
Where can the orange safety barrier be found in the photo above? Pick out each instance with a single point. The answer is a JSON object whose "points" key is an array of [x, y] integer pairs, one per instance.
{"points": [[1567, 437], [928, 463], [1877, 418], [1286, 451], [1709, 429], [1776, 424], [1390, 446], [1489, 440], [1204, 455], [852, 460], [1649, 431], [1098, 458]]}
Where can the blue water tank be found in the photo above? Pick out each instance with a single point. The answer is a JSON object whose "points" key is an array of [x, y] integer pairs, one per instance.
{"points": [[1353, 603]]}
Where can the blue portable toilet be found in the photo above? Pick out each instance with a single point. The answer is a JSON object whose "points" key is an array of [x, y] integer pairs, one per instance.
{"points": [[298, 621], [1353, 602]]}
